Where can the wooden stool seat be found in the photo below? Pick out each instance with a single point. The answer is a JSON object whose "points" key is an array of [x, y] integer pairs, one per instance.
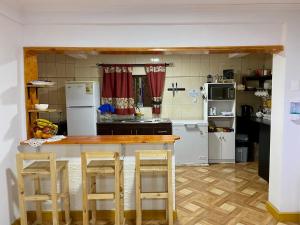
{"points": [[45, 164], [43, 167], [152, 166], [95, 164], [155, 161], [102, 167]]}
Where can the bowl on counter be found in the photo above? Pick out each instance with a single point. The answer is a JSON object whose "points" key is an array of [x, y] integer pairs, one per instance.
{"points": [[41, 107]]}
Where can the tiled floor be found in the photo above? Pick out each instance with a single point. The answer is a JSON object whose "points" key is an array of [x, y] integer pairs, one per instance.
{"points": [[222, 194]]}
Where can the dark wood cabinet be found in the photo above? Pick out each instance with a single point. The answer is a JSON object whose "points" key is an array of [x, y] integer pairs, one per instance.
{"points": [[106, 128], [258, 130], [264, 151]]}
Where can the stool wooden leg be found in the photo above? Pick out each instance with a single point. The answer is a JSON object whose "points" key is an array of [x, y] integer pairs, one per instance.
{"points": [[55, 219], [170, 189], [122, 194], [22, 203], [67, 195], [85, 212], [117, 192], [93, 202], [167, 200], [37, 190], [138, 206]]}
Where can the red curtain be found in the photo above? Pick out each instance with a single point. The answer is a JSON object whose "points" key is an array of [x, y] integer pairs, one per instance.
{"points": [[117, 88], [156, 80]]}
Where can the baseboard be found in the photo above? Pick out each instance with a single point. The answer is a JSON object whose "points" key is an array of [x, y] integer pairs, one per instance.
{"points": [[283, 216], [104, 214]]}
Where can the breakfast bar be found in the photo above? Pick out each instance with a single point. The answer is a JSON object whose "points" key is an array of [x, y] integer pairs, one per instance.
{"points": [[71, 147]]}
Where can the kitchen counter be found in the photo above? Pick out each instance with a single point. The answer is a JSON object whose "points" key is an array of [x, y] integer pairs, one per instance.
{"points": [[70, 149], [135, 121], [116, 139], [190, 122]]}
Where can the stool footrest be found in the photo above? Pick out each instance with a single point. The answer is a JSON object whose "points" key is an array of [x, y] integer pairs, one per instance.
{"points": [[154, 195], [43, 197], [102, 196], [37, 197]]}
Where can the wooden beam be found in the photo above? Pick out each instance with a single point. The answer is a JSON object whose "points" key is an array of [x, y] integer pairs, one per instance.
{"points": [[158, 50]]}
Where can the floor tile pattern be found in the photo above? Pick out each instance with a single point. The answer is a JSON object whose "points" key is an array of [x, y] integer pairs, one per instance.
{"points": [[220, 194]]}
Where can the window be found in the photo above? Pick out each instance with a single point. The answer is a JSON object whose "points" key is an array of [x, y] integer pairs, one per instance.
{"points": [[142, 94]]}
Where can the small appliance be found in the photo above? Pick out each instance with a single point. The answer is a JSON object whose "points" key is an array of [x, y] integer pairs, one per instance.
{"points": [[221, 92], [246, 110]]}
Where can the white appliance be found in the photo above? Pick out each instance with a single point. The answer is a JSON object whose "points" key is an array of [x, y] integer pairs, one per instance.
{"points": [[82, 100], [192, 148]]}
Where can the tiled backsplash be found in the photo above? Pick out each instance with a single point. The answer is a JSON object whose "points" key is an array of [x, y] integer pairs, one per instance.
{"points": [[189, 72]]}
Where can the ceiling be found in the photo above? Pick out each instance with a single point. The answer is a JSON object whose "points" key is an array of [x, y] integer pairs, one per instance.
{"points": [[27, 6], [146, 11]]}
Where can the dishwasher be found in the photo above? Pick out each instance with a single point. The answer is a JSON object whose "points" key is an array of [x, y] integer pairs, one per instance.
{"points": [[192, 148]]}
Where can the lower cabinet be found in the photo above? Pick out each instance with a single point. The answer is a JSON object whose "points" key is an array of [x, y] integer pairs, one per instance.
{"points": [[221, 147], [134, 129]]}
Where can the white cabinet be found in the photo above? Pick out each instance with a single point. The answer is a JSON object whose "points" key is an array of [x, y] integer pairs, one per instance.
{"points": [[228, 146], [221, 147], [192, 148], [214, 143]]}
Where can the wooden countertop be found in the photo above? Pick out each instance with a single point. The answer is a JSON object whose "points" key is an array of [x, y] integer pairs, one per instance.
{"points": [[116, 139]]}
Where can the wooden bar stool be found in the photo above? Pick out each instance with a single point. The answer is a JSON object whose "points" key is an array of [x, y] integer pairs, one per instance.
{"points": [[44, 164], [95, 164], [156, 161]]}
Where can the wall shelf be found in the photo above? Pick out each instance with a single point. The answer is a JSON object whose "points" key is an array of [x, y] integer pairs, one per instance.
{"points": [[220, 116], [226, 100], [44, 111], [39, 86]]}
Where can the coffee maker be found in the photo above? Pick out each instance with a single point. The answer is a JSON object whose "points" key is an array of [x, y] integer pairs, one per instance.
{"points": [[246, 110]]}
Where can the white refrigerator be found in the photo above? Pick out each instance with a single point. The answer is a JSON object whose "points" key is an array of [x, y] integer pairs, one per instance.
{"points": [[82, 101]]}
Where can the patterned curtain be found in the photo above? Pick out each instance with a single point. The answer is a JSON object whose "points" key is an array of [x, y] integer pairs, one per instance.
{"points": [[117, 88], [156, 79]]}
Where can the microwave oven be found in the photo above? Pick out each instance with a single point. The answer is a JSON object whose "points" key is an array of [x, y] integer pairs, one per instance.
{"points": [[221, 92]]}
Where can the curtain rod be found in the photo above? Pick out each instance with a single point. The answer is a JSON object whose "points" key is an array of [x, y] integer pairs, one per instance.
{"points": [[138, 65]]}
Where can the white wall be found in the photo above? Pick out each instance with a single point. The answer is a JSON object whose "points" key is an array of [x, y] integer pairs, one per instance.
{"points": [[10, 111], [153, 35], [285, 166]]}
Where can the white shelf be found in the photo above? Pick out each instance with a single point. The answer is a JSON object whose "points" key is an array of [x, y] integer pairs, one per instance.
{"points": [[220, 116], [217, 100]]}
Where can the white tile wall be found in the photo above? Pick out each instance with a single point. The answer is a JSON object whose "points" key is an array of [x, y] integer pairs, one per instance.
{"points": [[190, 72]]}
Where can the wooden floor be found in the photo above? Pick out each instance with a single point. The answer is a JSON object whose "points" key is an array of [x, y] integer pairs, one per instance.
{"points": [[223, 194]]}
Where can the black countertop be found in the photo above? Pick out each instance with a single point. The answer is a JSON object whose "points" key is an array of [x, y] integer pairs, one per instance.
{"points": [[261, 120], [135, 121]]}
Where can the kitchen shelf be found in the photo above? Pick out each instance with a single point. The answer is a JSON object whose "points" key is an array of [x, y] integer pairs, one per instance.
{"points": [[219, 100], [220, 116], [44, 111], [260, 78], [39, 86]]}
